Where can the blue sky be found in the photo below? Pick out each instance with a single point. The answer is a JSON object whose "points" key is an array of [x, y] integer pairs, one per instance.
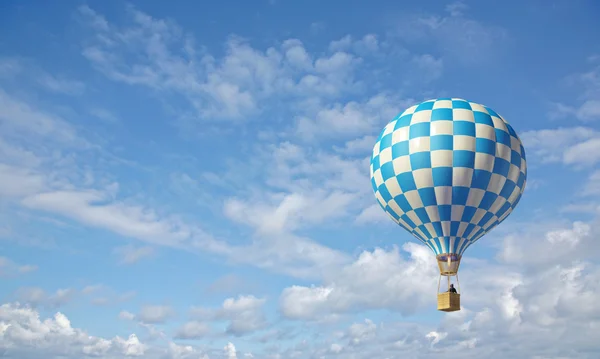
{"points": [[192, 180]]}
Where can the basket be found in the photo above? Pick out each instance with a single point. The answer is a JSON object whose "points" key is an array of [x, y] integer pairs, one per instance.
{"points": [[448, 302]]}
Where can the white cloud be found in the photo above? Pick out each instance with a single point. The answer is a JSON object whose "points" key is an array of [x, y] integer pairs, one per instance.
{"points": [[10, 268], [155, 314], [24, 335], [376, 280], [245, 314], [588, 107], [577, 146], [230, 351], [192, 330], [39, 297]]}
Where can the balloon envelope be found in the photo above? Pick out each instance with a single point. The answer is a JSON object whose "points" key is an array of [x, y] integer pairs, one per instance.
{"points": [[448, 171]]}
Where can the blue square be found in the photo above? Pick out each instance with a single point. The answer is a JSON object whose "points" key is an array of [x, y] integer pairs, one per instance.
{"points": [[428, 196], [383, 191], [420, 160], [481, 179], [491, 112], [403, 121], [468, 230], [403, 203], [463, 158], [502, 137], [441, 114], [487, 200], [515, 158], [442, 176], [523, 153], [460, 195], [461, 104], [391, 212], [483, 118], [503, 209], [425, 106], [425, 232], [419, 130], [406, 181], [386, 141], [375, 162], [387, 171], [486, 217], [511, 131], [422, 214], [400, 149], [507, 190], [501, 166], [464, 128], [445, 212], [521, 179], [484, 145], [441, 142], [408, 221], [468, 213], [454, 228], [438, 230]]}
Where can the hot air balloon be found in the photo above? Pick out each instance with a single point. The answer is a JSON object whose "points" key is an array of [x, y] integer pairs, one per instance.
{"points": [[448, 171]]}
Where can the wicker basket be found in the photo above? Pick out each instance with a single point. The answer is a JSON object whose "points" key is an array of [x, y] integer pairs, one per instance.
{"points": [[448, 302]]}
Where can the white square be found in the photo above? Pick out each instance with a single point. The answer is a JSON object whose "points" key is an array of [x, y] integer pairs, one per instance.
{"points": [[462, 227], [457, 212], [420, 144], [401, 165], [376, 148], [462, 114], [389, 128], [483, 161], [420, 117], [430, 229], [378, 177], [393, 187], [433, 213], [462, 177], [498, 203], [499, 124], [446, 226], [414, 218], [479, 213], [413, 198], [380, 199], [409, 111], [462, 142], [503, 151], [487, 225], [385, 156], [395, 207], [441, 128], [513, 196], [441, 158], [443, 195], [442, 104], [513, 173], [420, 232], [496, 183], [478, 107], [423, 178], [485, 131], [400, 135], [475, 197], [515, 144]]}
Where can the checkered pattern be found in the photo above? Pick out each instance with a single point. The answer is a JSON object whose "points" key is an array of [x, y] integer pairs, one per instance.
{"points": [[448, 171]]}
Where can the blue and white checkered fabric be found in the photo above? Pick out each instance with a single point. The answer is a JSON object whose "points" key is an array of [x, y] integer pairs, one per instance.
{"points": [[448, 171]]}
